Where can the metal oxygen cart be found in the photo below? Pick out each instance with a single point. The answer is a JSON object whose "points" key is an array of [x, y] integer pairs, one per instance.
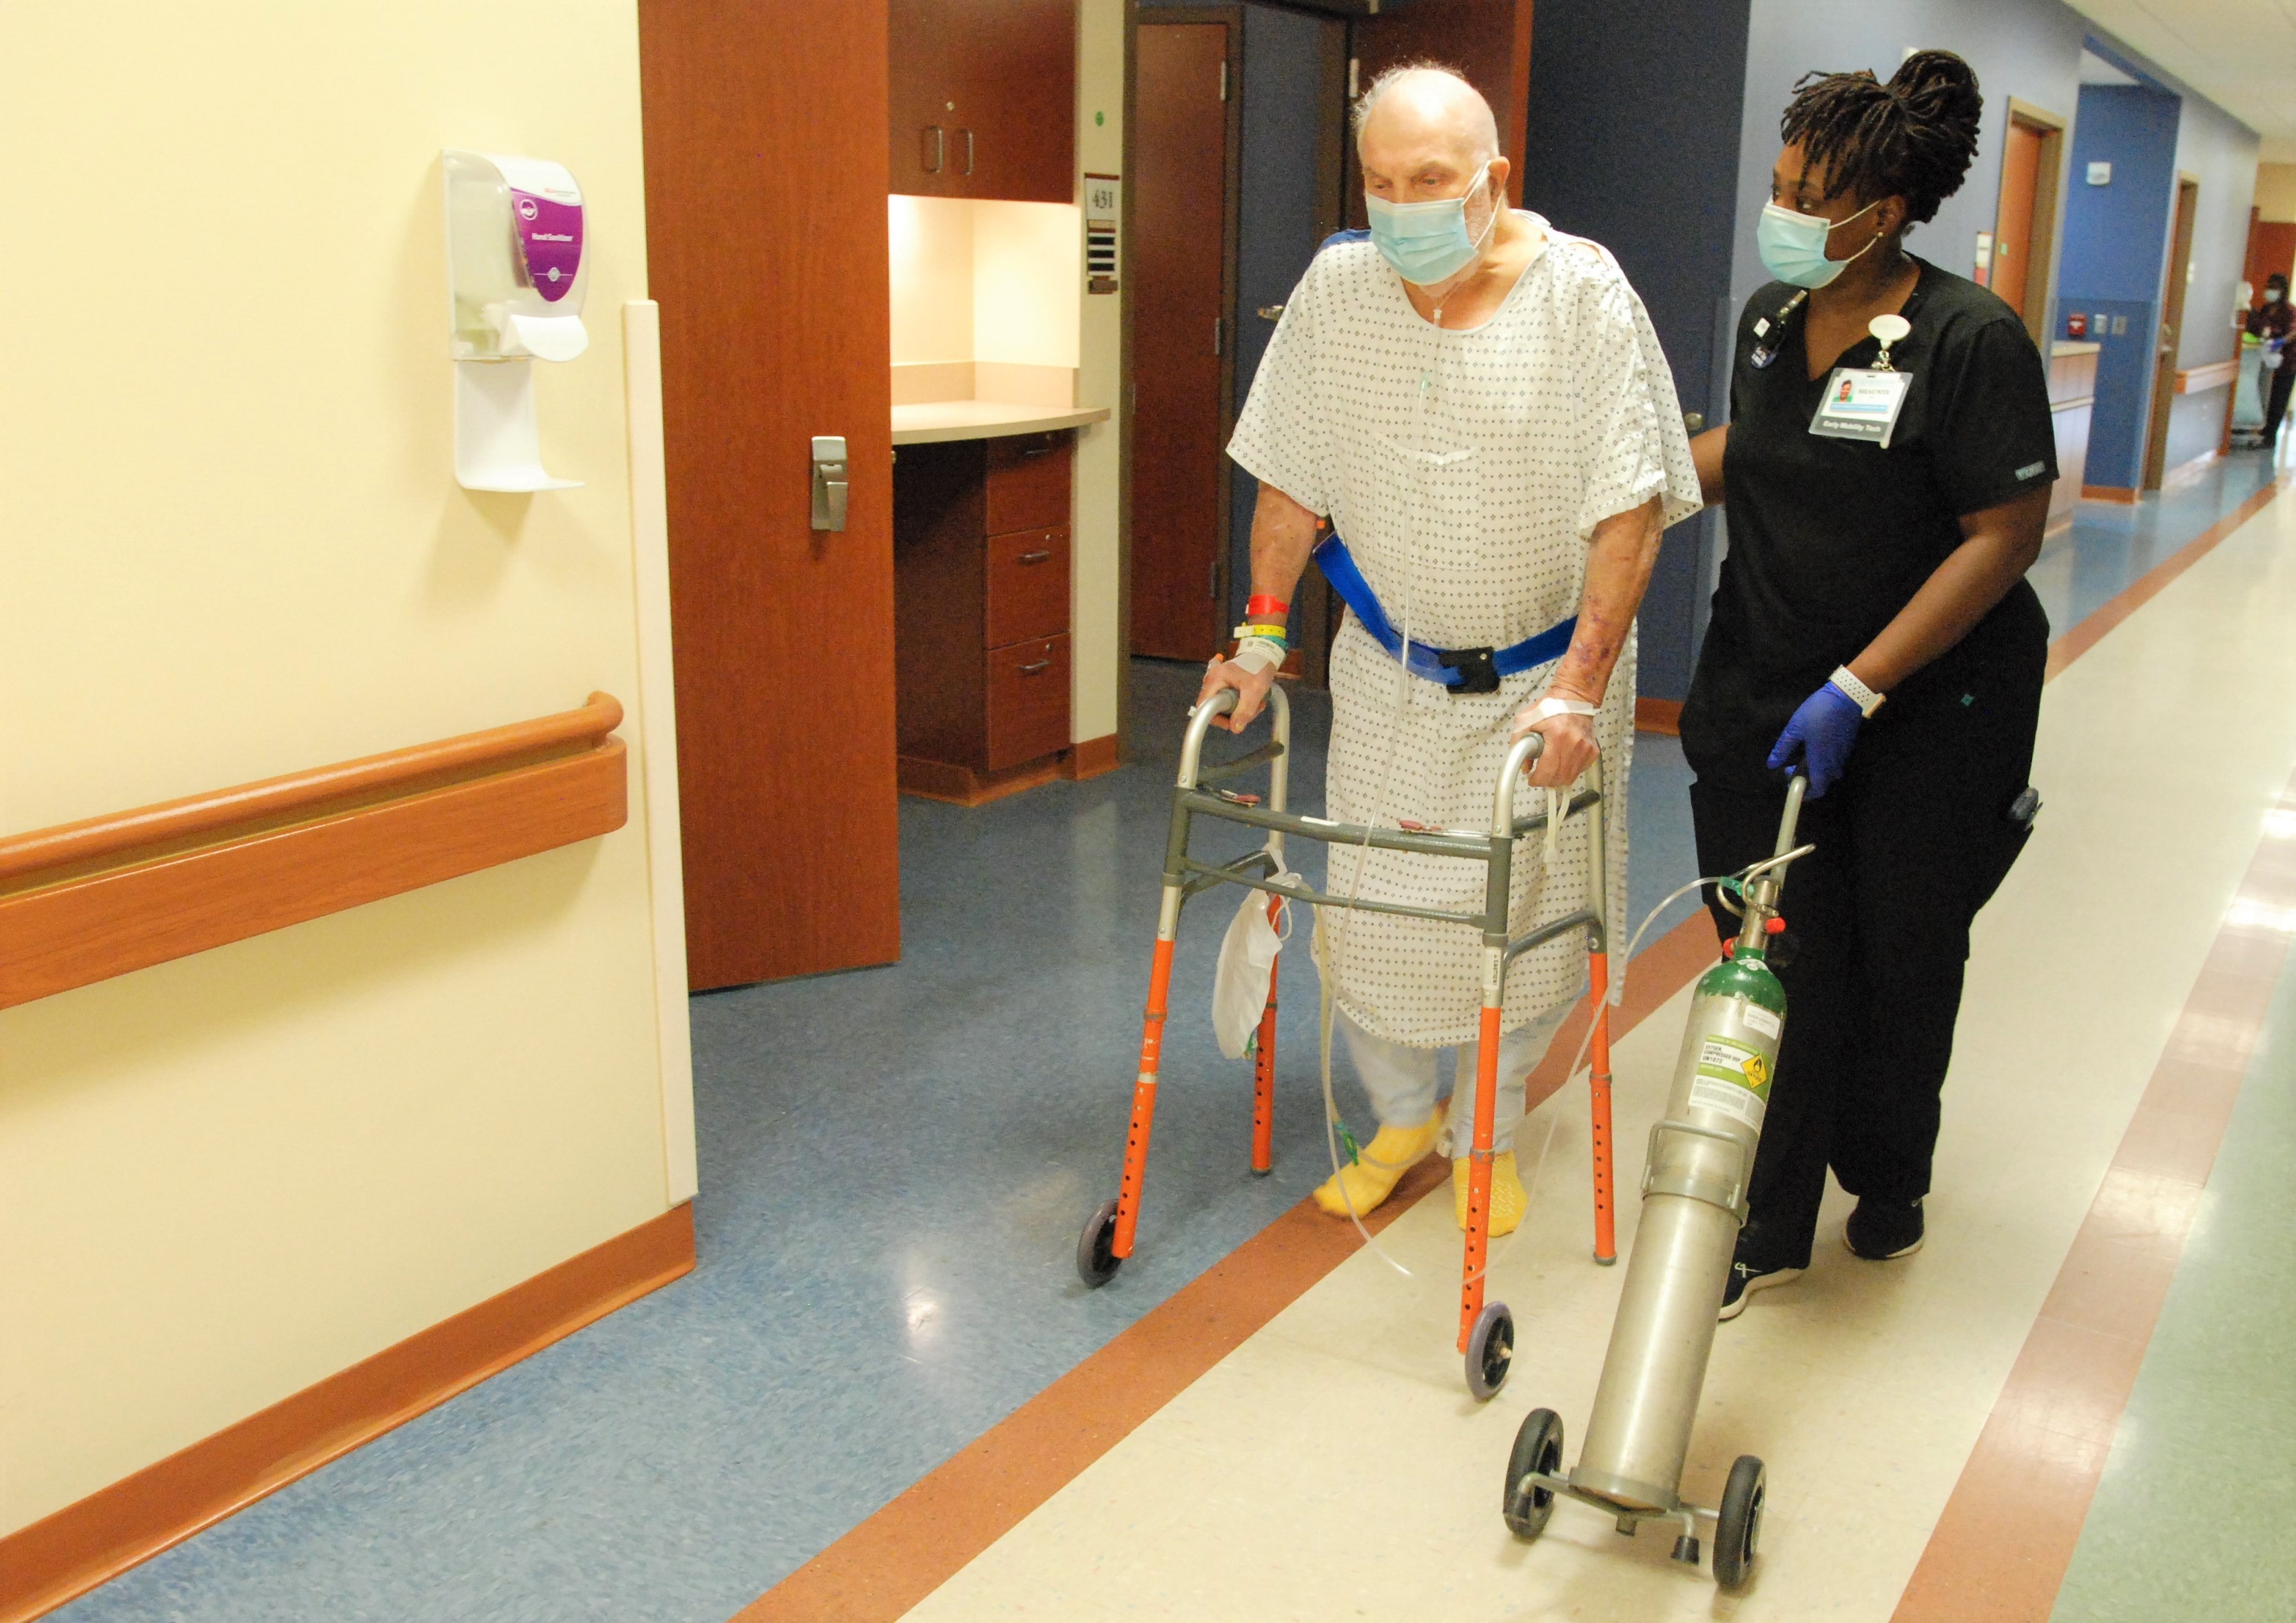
{"points": [[1485, 1328]]}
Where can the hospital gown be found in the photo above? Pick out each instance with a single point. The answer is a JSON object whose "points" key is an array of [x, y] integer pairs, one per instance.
{"points": [[1466, 471]]}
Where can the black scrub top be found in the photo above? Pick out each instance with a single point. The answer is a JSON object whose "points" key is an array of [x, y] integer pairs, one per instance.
{"points": [[1829, 539]]}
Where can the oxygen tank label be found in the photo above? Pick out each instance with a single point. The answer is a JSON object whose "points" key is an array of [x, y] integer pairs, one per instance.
{"points": [[1731, 1079], [1760, 1020]]}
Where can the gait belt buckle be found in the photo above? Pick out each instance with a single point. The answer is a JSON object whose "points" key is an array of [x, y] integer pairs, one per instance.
{"points": [[1477, 674]]}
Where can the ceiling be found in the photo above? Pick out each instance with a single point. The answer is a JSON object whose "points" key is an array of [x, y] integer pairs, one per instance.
{"points": [[2239, 54]]}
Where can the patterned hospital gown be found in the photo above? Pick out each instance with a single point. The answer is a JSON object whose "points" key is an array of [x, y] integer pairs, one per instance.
{"points": [[1466, 471]]}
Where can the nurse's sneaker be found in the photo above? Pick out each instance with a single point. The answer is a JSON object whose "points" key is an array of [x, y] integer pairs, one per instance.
{"points": [[1365, 1183], [1750, 1272], [1508, 1201], [1879, 1230]]}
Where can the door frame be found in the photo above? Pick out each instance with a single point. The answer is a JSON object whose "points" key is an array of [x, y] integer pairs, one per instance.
{"points": [[2040, 271], [2183, 219], [1231, 17]]}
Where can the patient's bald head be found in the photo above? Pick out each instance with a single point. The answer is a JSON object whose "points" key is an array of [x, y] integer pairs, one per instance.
{"points": [[1421, 101]]}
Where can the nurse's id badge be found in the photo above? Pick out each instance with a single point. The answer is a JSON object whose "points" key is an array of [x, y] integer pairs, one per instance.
{"points": [[1862, 402]]}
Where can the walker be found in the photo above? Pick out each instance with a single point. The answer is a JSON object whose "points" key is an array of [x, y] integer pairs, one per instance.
{"points": [[1486, 1328]]}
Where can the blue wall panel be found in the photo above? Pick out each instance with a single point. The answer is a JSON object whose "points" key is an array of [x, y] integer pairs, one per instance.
{"points": [[1632, 140]]}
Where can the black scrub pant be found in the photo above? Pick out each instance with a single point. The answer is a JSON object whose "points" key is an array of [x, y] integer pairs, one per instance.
{"points": [[2275, 398], [1911, 842]]}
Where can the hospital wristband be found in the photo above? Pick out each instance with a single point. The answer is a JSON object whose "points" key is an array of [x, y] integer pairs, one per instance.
{"points": [[1864, 698], [1258, 653], [1260, 603], [1274, 634]]}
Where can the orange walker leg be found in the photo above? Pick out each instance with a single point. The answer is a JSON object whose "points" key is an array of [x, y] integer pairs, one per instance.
{"points": [[1263, 1075], [1598, 1089], [1479, 1176], [1144, 1097]]}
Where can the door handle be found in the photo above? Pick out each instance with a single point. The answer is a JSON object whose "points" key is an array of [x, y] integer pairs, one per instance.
{"points": [[938, 147], [830, 481], [968, 149], [1271, 312]]}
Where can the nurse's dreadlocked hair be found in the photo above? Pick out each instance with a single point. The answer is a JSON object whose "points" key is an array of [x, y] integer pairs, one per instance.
{"points": [[1913, 137]]}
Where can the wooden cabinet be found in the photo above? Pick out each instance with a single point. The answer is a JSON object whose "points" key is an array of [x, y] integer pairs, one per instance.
{"points": [[984, 99], [980, 587]]}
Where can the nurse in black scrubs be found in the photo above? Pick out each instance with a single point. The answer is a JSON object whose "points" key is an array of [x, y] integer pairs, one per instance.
{"points": [[1873, 629]]}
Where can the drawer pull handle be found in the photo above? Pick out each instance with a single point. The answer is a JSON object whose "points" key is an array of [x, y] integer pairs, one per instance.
{"points": [[1034, 558], [1037, 450], [1037, 669]]}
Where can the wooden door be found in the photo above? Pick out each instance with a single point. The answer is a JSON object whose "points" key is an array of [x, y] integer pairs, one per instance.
{"points": [[771, 268], [1183, 253], [2172, 328], [2012, 232], [1487, 40]]}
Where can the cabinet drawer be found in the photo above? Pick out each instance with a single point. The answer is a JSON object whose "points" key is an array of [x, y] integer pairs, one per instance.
{"points": [[1028, 585], [1028, 701], [1028, 481]]}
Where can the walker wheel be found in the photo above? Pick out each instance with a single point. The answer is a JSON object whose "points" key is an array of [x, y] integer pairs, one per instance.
{"points": [[1096, 1258], [1537, 1447], [1739, 1524], [1490, 1349]]}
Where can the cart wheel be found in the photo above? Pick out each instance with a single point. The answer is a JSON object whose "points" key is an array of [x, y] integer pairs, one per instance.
{"points": [[1740, 1524], [1490, 1349], [1537, 1447], [1096, 1259]]}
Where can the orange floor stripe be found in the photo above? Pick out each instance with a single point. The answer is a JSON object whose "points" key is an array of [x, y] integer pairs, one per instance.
{"points": [[2146, 587], [1999, 1552], [893, 1560]]}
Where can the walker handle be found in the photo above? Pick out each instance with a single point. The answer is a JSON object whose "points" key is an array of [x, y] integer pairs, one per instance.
{"points": [[1200, 723], [1520, 756]]}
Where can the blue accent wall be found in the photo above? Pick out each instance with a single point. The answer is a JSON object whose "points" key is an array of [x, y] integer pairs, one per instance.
{"points": [[2116, 235], [1612, 89], [1281, 225]]}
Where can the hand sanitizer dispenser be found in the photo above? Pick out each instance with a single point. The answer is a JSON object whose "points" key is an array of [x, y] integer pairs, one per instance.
{"points": [[515, 276]]}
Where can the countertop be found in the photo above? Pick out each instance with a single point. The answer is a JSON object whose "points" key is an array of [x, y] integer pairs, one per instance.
{"points": [[939, 419], [2064, 347]]}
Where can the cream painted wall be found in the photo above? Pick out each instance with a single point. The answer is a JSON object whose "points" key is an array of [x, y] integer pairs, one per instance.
{"points": [[1095, 596], [984, 281], [234, 547], [2276, 192]]}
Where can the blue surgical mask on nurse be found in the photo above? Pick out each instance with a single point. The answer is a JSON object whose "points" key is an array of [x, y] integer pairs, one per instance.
{"points": [[1794, 245]]}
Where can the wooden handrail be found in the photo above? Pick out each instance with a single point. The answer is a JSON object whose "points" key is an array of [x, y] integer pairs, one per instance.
{"points": [[169, 825], [2200, 380], [89, 900]]}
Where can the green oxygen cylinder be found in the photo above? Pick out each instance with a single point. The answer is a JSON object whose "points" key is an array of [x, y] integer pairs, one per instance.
{"points": [[1695, 1179]]}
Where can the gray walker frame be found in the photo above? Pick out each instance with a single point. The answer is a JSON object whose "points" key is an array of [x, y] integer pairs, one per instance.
{"points": [[1486, 1330]]}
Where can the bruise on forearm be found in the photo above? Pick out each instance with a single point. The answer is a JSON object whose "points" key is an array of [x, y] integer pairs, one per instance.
{"points": [[1283, 535], [1619, 559]]}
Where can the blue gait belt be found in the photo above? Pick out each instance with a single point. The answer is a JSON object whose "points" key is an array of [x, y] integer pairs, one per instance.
{"points": [[1462, 670]]}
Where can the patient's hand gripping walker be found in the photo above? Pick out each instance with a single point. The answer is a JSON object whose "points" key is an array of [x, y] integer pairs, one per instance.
{"points": [[1486, 1331]]}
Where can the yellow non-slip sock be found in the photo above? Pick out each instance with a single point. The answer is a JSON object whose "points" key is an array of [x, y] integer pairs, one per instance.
{"points": [[1364, 1184], [1508, 1201]]}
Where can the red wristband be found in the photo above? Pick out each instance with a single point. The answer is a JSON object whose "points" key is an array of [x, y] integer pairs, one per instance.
{"points": [[1261, 603]]}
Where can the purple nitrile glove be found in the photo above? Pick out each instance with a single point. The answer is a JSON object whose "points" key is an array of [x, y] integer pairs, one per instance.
{"points": [[1822, 731]]}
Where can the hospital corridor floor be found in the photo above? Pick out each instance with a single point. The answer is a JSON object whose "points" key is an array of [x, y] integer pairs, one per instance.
{"points": [[883, 1392]]}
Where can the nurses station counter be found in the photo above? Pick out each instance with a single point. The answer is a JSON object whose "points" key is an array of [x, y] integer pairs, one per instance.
{"points": [[2072, 400], [981, 567]]}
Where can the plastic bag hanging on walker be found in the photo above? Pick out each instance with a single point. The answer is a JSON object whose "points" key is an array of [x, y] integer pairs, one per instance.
{"points": [[1240, 984]]}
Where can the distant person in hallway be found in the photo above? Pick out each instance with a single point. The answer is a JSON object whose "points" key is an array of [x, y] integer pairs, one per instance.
{"points": [[2272, 321], [1872, 628], [1478, 403]]}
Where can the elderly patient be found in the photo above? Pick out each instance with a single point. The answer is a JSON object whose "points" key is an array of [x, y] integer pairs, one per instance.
{"points": [[1478, 403]]}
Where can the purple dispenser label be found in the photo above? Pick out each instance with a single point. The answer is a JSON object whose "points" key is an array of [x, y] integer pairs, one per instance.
{"points": [[550, 233]]}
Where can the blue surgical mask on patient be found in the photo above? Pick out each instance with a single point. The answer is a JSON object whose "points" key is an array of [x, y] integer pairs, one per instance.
{"points": [[1427, 242], [1794, 245]]}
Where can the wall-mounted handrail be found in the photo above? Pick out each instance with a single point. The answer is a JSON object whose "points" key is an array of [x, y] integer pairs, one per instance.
{"points": [[171, 822], [86, 901]]}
